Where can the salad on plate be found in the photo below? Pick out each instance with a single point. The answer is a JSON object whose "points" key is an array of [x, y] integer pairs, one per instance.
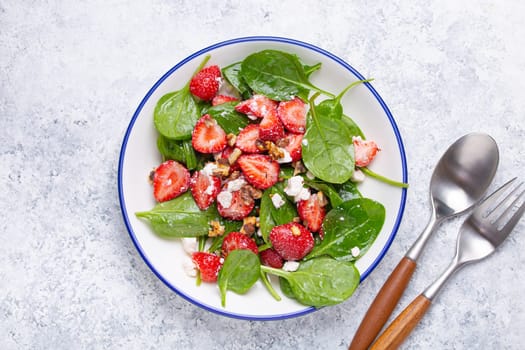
{"points": [[260, 178]]}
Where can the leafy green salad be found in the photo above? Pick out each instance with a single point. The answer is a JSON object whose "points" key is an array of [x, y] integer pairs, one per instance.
{"points": [[260, 177]]}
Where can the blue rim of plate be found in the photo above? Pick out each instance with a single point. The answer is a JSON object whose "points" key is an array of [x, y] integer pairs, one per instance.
{"points": [[256, 39]]}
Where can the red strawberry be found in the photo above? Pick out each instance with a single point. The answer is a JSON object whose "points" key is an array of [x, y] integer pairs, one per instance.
{"points": [[292, 241], [236, 207], [365, 151], [293, 115], [237, 240], [208, 136], [204, 189], [170, 179], [270, 257], [271, 128], [294, 146], [259, 170], [220, 99], [246, 140], [256, 106], [208, 265], [311, 212], [205, 83]]}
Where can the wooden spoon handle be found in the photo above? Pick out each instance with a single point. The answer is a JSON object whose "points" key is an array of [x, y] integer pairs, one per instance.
{"points": [[403, 325], [383, 305]]}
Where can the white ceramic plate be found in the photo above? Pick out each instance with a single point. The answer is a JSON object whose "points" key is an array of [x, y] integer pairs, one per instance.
{"points": [[139, 156]]}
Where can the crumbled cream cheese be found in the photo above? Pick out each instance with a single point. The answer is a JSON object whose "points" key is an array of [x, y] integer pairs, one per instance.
{"points": [[294, 188], [209, 168], [277, 200], [225, 198], [236, 184], [290, 266], [189, 267], [189, 244], [355, 251]]}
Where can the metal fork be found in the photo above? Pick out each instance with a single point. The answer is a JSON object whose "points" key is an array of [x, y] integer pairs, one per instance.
{"points": [[481, 233]]}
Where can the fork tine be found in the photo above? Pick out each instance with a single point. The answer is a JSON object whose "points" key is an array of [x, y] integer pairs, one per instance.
{"points": [[513, 221], [487, 206]]}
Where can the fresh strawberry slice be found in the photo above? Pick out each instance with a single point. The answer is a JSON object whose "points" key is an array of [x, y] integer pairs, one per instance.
{"points": [[257, 106], [208, 136], [208, 265], [292, 241], [170, 179], [237, 240], [220, 99], [311, 212], [293, 144], [293, 115], [204, 189], [271, 128], [247, 139], [205, 84], [270, 257], [365, 151], [233, 205], [259, 170]]}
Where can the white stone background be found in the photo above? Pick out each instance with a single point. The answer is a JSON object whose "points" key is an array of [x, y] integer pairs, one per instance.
{"points": [[72, 74]]}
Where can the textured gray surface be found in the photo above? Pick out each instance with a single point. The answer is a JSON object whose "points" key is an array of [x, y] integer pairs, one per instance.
{"points": [[72, 74]]}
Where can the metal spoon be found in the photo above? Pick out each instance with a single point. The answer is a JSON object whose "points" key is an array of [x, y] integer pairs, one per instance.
{"points": [[458, 182]]}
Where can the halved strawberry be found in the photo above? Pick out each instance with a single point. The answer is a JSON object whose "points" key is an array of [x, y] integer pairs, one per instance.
{"points": [[208, 265], [271, 128], [220, 99], [206, 83], [259, 170], [294, 146], [170, 179], [204, 188], [247, 138], [270, 257], [311, 212], [292, 241], [237, 240], [365, 151], [233, 205], [256, 106], [293, 115], [208, 136]]}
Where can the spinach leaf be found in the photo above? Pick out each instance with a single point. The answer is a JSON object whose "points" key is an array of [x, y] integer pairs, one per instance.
{"points": [[270, 216], [233, 76], [286, 288], [327, 148], [180, 217], [355, 223], [175, 114], [181, 151], [228, 118], [353, 128], [320, 282], [308, 70], [348, 191], [239, 273], [278, 75]]}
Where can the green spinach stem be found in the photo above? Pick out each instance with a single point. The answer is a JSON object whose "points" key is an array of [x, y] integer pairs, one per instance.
{"points": [[383, 178]]}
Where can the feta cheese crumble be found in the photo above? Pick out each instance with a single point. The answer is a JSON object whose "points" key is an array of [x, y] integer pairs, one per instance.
{"points": [[277, 200], [225, 198], [358, 176], [290, 266], [294, 188]]}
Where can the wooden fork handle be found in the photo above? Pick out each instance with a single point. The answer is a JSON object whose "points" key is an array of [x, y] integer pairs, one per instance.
{"points": [[383, 305], [403, 325]]}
